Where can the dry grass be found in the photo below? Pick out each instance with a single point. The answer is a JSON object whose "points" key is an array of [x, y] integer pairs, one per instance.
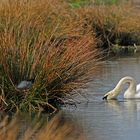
{"points": [[56, 129], [113, 24], [44, 40]]}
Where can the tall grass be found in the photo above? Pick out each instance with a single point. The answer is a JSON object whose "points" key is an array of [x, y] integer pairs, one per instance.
{"points": [[45, 41], [56, 129], [114, 24]]}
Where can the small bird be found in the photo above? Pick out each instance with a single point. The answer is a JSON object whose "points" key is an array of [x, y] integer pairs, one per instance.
{"points": [[25, 84]]}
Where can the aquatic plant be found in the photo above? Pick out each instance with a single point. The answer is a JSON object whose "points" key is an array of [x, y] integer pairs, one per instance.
{"points": [[44, 41]]}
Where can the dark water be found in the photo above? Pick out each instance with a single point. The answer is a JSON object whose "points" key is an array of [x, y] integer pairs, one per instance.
{"points": [[112, 120]]}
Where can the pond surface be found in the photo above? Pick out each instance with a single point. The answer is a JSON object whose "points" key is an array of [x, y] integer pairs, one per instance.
{"points": [[110, 120]]}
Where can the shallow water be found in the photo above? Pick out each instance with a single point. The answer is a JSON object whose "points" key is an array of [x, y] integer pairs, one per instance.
{"points": [[110, 120]]}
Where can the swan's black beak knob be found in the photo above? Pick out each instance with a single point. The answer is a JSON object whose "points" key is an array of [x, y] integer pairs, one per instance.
{"points": [[105, 97]]}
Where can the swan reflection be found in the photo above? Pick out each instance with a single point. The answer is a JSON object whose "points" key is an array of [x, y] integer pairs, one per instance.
{"points": [[129, 105], [125, 108]]}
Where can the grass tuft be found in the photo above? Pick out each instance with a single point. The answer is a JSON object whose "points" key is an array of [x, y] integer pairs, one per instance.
{"points": [[114, 24], [45, 41]]}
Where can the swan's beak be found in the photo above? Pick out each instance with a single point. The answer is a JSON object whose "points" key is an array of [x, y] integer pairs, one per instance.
{"points": [[105, 97]]}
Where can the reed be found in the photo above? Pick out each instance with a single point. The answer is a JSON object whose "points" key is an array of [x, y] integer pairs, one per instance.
{"points": [[114, 24], [45, 41]]}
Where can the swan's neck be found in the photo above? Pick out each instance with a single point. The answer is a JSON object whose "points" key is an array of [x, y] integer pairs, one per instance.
{"points": [[131, 91]]}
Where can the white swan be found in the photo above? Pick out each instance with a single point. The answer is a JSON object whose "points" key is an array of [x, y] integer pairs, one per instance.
{"points": [[133, 91]]}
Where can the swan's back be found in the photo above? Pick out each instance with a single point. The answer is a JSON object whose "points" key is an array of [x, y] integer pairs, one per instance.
{"points": [[138, 88]]}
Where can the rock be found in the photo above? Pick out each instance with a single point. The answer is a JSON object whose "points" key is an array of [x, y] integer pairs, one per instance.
{"points": [[24, 85]]}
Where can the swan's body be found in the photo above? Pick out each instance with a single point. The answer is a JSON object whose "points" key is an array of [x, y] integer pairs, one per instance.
{"points": [[132, 92], [138, 88]]}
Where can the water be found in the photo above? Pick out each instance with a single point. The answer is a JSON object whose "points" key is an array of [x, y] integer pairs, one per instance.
{"points": [[111, 120], [99, 119]]}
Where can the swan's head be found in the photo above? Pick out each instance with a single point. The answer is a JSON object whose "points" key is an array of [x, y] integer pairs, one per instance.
{"points": [[110, 95]]}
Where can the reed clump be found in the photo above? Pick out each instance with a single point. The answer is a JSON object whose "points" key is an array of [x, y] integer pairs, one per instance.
{"points": [[45, 41], [113, 24]]}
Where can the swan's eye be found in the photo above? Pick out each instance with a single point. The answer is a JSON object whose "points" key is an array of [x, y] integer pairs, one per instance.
{"points": [[105, 97]]}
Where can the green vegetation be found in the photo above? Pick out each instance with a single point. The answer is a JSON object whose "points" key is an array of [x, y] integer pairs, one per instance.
{"points": [[107, 2], [78, 3], [81, 3]]}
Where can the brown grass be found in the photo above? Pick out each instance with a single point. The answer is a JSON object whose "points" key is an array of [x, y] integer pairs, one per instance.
{"points": [[44, 40], [113, 24]]}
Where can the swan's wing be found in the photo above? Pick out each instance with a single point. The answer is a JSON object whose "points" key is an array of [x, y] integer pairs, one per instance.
{"points": [[138, 88]]}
